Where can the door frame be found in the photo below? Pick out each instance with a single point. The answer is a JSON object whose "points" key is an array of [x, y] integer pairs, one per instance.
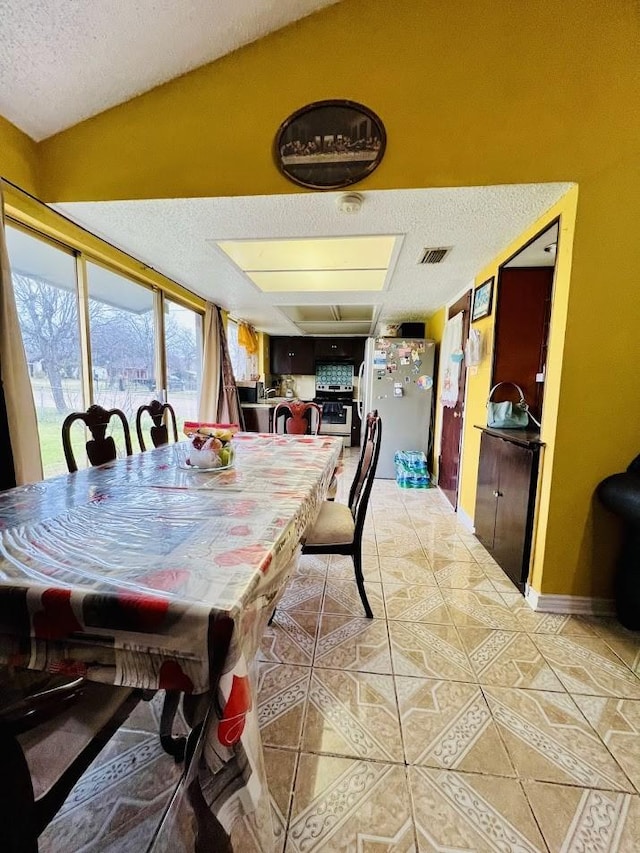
{"points": [[467, 290]]}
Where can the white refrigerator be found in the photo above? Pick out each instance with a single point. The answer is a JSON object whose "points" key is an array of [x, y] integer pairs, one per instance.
{"points": [[396, 378]]}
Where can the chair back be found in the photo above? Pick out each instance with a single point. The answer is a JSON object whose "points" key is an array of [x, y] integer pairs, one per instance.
{"points": [[101, 448], [299, 418], [159, 430], [365, 471]]}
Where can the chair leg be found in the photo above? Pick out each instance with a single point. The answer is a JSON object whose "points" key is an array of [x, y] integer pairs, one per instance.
{"points": [[173, 746], [357, 565]]}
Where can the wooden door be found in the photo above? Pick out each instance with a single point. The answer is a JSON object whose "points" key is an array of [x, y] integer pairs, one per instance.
{"points": [[280, 355], [452, 419], [487, 491], [302, 357], [512, 529], [522, 325]]}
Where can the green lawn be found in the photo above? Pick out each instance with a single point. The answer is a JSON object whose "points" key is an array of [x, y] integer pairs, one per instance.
{"points": [[50, 422]]}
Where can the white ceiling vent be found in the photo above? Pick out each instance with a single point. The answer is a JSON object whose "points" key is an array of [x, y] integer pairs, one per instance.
{"points": [[434, 256]]}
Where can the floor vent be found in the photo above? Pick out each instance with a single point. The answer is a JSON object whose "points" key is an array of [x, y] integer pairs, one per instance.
{"points": [[434, 256]]}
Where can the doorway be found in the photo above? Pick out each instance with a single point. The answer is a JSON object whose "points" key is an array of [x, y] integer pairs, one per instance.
{"points": [[453, 418]]}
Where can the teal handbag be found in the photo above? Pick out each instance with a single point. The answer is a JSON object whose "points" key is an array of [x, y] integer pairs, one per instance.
{"points": [[508, 415]]}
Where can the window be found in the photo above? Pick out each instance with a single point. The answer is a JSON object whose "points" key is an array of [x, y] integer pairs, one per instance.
{"points": [[244, 366], [123, 341], [124, 356], [44, 282], [183, 352]]}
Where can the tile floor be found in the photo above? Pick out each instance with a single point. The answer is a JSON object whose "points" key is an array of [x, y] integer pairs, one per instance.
{"points": [[456, 719]]}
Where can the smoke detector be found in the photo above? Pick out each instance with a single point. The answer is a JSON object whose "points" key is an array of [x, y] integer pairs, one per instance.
{"points": [[350, 203]]}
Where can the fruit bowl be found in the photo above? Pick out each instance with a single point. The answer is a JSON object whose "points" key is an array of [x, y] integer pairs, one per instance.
{"points": [[206, 451]]}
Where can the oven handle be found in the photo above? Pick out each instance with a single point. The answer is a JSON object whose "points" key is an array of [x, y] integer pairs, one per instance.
{"points": [[359, 400]]}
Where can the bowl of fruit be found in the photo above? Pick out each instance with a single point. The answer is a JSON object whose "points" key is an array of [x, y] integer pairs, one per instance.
{"points": [[207, 448]]}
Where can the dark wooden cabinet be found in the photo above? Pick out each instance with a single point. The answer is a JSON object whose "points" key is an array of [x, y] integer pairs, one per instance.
{"points": [[327, 349], [293, 355], [257, 418], [356, 426], [340, 349], [505, 499], [298, 355]]}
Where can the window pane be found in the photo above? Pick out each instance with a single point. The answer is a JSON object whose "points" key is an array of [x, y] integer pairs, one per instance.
{"points": [[44, 281], [123, 335], [183, 340]]}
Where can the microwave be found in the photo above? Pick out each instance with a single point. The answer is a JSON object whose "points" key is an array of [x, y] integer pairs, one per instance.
{"points": [[250, 391]]}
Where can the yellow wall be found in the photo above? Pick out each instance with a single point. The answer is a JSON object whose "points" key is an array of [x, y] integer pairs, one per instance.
{"points": [[472, 92], [18, 157], [479, 384]]}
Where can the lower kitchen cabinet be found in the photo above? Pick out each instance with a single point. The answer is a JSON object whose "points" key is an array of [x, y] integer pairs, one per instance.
{"points": [[506, 496], [356, 426], [257, 418]]}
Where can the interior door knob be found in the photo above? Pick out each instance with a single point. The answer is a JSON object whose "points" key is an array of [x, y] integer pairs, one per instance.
{"points": [[456, 414]]}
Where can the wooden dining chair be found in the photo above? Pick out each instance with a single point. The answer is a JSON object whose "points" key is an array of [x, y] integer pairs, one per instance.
{"points": [[159, 430], [338, 527], [101, 448], [299, 418], [51, 729]]}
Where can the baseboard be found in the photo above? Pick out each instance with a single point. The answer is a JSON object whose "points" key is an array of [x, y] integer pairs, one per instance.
{"points": [[465, 520], [580, 605]]}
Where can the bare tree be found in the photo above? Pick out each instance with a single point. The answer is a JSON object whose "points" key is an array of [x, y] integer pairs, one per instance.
{"points": [[49, 323]]}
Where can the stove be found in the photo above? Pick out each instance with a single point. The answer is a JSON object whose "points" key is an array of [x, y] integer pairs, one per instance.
{"points": [[334, 393]]}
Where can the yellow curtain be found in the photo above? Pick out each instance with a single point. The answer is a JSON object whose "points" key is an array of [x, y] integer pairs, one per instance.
{"points": [[248, 338]]}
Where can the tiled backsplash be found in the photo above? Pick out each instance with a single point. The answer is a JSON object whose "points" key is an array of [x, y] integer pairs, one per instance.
{"points": [[334, 374]]}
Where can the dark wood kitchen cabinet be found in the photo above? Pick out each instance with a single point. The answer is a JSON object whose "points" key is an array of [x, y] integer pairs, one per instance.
{"points": [[293, 355], [505, 499], [356, 426], [340, 349]]}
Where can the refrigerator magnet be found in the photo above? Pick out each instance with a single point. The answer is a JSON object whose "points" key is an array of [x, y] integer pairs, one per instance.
{"points": [[405, 361], [424, 382]]}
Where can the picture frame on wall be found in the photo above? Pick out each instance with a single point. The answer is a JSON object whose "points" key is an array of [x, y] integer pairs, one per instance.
{"points": [[330, 144], [482, 300]]}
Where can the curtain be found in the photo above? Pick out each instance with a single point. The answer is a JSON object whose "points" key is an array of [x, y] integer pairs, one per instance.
{"points": [[23, 440], [219, 401], [211, 375], [248, 338]]}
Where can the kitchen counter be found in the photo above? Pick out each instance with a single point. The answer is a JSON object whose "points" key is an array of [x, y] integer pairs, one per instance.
{"points": [[258, 416], [270, 402]]}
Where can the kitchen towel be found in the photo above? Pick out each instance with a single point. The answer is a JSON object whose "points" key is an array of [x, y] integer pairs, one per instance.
{"points": [[450, 361]]}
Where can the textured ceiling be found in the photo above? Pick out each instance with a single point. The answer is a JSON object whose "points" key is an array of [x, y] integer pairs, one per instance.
{"points": [[177, 237], [62, 62]]}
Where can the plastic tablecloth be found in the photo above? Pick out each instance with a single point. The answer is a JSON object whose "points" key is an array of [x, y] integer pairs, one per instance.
{"points": [[142, 574]]}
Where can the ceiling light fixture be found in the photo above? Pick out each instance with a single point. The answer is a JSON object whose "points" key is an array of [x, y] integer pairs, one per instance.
{"points": [[350, 203]]}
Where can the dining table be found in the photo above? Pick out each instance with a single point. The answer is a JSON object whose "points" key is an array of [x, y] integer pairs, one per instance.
{"points": [[147, 574]]}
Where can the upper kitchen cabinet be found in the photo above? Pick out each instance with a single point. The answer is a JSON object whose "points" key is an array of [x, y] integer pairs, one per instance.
{"points": [[340, 349], [299, 355], [293, 355]]}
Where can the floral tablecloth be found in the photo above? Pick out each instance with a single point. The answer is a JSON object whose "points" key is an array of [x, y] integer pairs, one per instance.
{"points": [[142, 574]]}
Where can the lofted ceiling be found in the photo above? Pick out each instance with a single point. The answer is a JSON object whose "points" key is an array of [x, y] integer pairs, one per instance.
{"points": [[179, 238], [62, 62]]}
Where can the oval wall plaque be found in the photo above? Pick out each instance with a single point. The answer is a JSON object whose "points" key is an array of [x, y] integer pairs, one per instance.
{"points": [[330, 144]]}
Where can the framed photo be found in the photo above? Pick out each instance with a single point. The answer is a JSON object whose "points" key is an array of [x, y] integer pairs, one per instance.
{"points": [[329, 144], [482, 299]]}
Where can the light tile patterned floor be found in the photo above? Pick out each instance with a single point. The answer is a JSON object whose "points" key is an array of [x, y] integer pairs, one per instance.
{"points": [[456, 719]]}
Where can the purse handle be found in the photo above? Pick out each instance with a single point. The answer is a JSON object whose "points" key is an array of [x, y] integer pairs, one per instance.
{"points": [[497, 385], [521, 402]]}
